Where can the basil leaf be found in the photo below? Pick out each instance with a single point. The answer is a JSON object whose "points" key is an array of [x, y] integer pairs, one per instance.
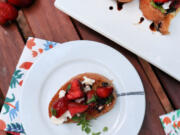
{"points": [[98, 133], [68, 87], [158, 7], [105, 129], [109, 99], [87, 130], [53, 111], [93, 99]]}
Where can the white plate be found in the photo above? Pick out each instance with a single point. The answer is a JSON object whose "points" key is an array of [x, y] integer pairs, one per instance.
{"points": [[123, 28], [69, 59]]}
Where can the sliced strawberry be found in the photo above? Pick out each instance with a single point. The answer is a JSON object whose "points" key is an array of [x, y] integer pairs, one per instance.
{"points": [[161, 1], [21, 3], [59, 107], [104, 92], [91, 98], [75, 108], [75, 91]]}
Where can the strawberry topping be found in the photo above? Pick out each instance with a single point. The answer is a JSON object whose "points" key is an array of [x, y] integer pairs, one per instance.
{"points": [[161, 1], [7, 12], [75, 91], [75, 108], [104, 92], [21, 3], [59, 107], [91, 98]]}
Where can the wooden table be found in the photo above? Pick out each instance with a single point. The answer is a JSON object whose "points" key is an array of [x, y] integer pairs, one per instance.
{"points": [[43, 20]]}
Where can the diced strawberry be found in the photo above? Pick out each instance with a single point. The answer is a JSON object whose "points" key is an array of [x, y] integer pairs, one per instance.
{"points": [[59, 107], [104, 92], [91, 98], [75, 108], [161, 1], [90, 94], [21, 3], [75, 91], [7, 12]]}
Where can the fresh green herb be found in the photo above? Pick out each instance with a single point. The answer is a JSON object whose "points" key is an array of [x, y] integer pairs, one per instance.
{"points": [[53, 111], [75, 118], [158, 7], [98, 133], [68, 87], [93, 99], [105, 129], [83, 122], [109, 99], [87, 130]]}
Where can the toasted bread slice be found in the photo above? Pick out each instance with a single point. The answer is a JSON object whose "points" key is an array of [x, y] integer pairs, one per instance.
{"points": [[161, 20], [99, 79]]}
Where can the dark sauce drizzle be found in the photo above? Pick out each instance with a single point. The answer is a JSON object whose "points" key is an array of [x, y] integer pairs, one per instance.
{"points": [[152, 27], [111, 8], [120, 5], [141, 20]]}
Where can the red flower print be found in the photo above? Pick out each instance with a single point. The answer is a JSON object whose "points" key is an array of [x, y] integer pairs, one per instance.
{"points": [[34, 53], [30, 43], [26, 65], [21, 82], [2, 125], [166, 120], [178, 124], [174, 125], [40, 50]]}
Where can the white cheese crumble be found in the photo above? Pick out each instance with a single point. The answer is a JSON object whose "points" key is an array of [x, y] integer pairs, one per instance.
{"points": [[88, 81], [100, 107], [79, 100], [61, 119], [62, 93], [166, 5], [78, 114], [87, 88]]}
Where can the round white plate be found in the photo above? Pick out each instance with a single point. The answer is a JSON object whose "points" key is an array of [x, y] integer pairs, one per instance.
{"points": [[58, 65]]}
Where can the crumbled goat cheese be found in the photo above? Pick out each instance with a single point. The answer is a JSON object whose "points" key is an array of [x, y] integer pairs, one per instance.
{"points": [[62, 93], [88, 81], [61, 119]]}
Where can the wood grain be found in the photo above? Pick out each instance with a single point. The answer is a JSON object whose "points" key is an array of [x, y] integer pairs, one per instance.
{"points": [[172, 87], [49, 23], [151, 124], [11, 46], [24, 26], [157, 86]]}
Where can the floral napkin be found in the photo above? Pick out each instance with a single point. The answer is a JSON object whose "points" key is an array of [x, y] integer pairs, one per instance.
{"points": [[171, 123], [9, 117]]}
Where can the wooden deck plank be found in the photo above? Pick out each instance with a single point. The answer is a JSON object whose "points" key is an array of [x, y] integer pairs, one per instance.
{"points": [[49, 23], [172, 87], [11, 46], [156, 85], [151, 123]]}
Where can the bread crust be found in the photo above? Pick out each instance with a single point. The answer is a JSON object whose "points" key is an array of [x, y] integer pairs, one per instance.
{"points": [[162, 21], [150, 12], [99, 79]]}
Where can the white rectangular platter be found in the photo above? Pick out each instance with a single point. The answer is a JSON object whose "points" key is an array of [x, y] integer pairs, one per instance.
{"points": [[122, 27]]}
